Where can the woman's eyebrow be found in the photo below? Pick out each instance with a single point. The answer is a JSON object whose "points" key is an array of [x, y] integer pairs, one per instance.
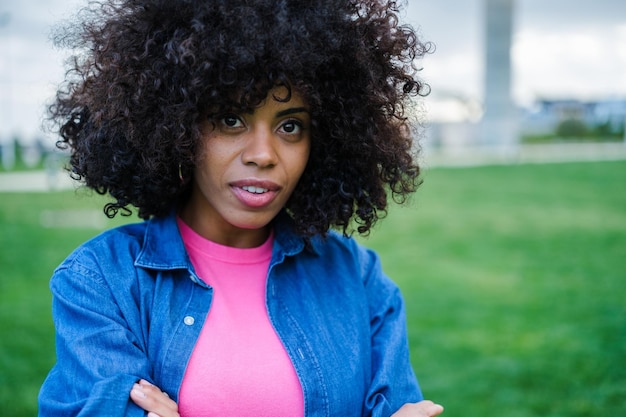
{"points": [[292, 110]]}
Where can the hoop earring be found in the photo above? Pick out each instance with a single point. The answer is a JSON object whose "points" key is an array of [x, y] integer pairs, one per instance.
{"points": [[180, 174]]}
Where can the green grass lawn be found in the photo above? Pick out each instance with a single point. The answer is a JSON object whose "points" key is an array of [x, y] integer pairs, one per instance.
{"points": [[514, 278], [35, 237]]}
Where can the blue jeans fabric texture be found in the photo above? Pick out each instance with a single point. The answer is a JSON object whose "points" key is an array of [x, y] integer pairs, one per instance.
{"points": [[129, 305]]}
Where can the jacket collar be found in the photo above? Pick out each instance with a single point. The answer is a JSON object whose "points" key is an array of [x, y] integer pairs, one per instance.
{"points": [[289, 243], [163, 247]]}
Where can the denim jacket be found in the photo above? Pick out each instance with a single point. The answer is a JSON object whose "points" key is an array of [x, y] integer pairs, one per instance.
{"points": [[129, 305]]}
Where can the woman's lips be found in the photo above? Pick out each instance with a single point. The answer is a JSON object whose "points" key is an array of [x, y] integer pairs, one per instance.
{"points": [[255, 193]]}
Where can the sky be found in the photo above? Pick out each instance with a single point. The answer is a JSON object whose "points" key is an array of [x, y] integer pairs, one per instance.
{"points": [[561, 49]]}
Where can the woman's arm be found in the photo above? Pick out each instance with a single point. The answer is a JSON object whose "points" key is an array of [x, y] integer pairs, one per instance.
{"points": [[100, 347], [393, 385]]}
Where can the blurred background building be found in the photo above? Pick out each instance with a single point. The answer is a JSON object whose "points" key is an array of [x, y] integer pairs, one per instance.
{"points": [[499, 121], [517, 77]]}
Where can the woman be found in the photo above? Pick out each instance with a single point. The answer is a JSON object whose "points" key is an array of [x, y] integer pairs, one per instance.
{"points": [[243, 132]]}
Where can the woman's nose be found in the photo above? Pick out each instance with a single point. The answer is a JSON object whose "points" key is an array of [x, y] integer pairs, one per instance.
{"points": [[260, 148]]}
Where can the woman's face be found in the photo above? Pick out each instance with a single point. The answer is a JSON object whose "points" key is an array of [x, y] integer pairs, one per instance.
{"points": [[249, 165]]}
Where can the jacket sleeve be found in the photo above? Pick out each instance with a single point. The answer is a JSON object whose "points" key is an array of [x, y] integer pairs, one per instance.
{"points": [[393, 380], [99, 354]]}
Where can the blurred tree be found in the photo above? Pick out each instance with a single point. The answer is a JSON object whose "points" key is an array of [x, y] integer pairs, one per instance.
{"points": [[572, 128]]}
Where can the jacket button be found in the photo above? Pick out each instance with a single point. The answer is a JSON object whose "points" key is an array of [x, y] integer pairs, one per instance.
{"points": [[189, 321]]}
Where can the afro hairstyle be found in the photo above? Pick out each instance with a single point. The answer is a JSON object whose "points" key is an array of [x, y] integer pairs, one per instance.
{"points": [[143, 72]]}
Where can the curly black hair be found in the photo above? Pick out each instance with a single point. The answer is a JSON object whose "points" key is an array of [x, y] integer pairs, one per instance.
{"points": [[144, 72]]}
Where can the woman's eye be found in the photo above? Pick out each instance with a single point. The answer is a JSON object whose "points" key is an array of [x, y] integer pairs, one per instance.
{"points": [[231, 121], [292, 127]]}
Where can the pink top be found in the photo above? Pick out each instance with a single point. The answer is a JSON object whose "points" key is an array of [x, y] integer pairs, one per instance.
{"points": [[239, 366]]}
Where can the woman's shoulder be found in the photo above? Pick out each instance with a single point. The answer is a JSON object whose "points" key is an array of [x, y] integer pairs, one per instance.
{"points": [[348, 247], [345, 254], [115, 245], [120, 237]]}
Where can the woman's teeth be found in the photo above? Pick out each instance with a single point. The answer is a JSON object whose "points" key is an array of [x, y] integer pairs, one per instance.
{"points": [[255, 190]]}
